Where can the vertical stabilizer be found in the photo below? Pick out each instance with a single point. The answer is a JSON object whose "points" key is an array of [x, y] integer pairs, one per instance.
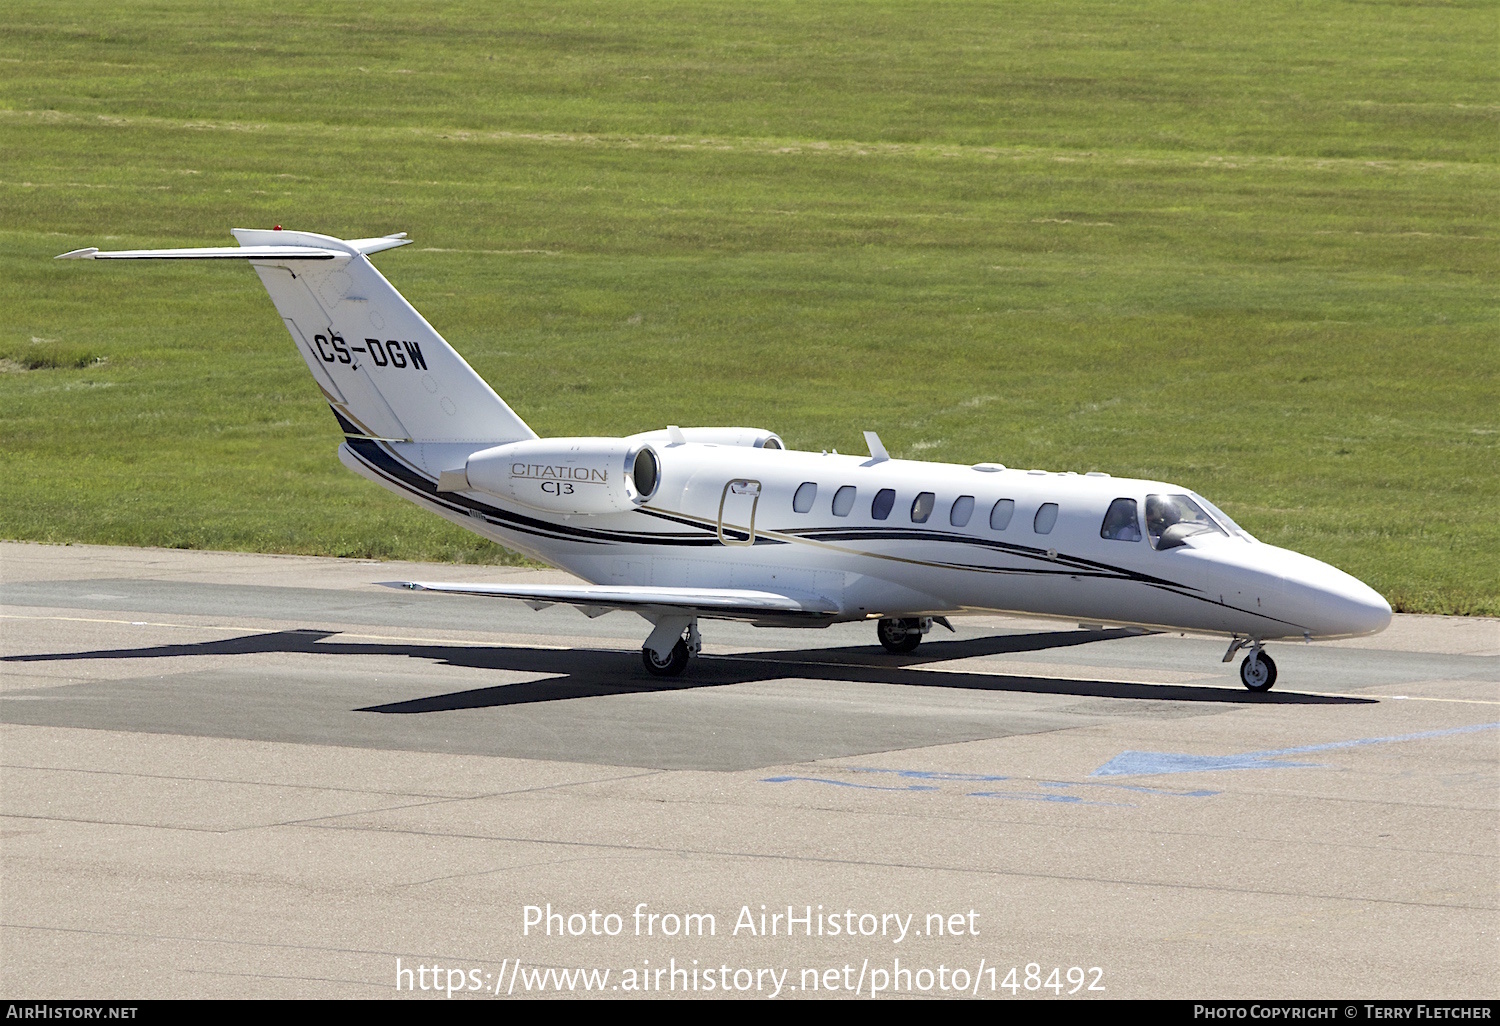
{"points": [[385, 369], [387, 373]]}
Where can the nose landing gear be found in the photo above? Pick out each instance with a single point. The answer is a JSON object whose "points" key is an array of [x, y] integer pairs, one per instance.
{"points": [[1258, 671]]}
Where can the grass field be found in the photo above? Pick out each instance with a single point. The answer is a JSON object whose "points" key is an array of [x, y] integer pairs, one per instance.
{"points": [[1246, 247]]}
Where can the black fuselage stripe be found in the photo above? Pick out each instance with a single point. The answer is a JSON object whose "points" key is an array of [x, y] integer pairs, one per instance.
{"points": [[397, 479], [375, 455]]}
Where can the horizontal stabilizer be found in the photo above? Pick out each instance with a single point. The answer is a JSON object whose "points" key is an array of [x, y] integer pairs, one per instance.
{"points": [[209, 253], [718, 603], [291, 246]]}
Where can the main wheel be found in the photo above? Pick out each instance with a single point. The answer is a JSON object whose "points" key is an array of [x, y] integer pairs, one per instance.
{"points": [[1258, 672], [899, 636], [674, 664]]}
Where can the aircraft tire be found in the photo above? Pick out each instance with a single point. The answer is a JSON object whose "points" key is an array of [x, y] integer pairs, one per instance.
{"points": [[898, 636], [1260, 674], [676, 661]]}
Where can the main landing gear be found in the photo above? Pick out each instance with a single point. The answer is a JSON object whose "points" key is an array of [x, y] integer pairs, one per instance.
{"points": [[1258, 670], [664, 657], [902, 636]]}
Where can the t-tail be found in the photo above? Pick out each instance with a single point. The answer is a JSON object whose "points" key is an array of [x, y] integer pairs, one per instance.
{"points": [[386, 372]]}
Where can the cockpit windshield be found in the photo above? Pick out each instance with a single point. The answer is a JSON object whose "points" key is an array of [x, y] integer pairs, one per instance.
{"points": [[1172, 519], [1222, 517]]}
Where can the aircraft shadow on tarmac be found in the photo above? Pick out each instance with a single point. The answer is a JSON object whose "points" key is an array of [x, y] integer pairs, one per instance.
{"points": [[595, 673]]}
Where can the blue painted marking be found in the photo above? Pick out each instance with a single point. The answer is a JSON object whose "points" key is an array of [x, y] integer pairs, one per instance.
{"points": [[1026, 796], [1132, 763], [988, 778], [1157, 790], [925, 774], [1131, 787], [843, 783]]}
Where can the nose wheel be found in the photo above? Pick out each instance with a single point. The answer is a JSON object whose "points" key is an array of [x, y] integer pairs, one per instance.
{"points": [[1258, 671]]}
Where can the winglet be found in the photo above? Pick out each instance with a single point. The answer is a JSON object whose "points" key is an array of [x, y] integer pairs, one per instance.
{"points": [[877, 449]]}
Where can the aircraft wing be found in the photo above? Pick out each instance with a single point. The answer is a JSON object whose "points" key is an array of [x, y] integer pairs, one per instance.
{"points": [[596, 600]]}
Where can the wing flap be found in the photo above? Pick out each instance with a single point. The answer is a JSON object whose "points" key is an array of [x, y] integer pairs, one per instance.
{"points": [[593, 599]]}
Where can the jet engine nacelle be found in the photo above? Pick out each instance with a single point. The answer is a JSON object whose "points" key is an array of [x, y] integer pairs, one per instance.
{"points": [[562, 475]]}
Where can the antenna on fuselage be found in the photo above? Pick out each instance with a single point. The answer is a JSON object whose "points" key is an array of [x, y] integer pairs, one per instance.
{"points": [[877, 449]]}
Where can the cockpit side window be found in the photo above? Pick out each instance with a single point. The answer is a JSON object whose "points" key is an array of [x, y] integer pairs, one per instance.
{"points": [[807, 494], [843, 501], [1121, 522], [1222, 517], [1172, 519]]}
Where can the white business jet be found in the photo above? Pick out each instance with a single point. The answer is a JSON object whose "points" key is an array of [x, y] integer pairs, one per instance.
{"points": [[683, 524]]}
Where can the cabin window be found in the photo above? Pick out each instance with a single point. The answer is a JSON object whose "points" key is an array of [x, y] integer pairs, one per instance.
{"points": [[843, 501], [1172, 519], [963, 509], [1045, 519], [807, 492], [1121, 522], [885, 501], [1001, 514], [921, 507]]}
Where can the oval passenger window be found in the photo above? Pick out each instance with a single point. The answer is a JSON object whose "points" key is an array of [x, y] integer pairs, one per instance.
{"points": [[807, 492], [885, 501], [963, 509], [843, 501], [921, 507], [1046, 517], [1001, 514]]}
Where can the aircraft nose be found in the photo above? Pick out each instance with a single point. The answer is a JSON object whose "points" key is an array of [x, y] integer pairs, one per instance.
{"points": [[1339, 605], [1359, 609]]}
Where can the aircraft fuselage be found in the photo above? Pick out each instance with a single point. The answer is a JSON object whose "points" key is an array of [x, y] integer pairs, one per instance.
{"points": [[728, 515]]}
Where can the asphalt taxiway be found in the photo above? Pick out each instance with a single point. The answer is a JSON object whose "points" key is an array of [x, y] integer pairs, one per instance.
{"points": [[246, 775]]}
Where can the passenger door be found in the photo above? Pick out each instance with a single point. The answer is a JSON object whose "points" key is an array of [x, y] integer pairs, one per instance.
{"points": [[737, 504]]}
